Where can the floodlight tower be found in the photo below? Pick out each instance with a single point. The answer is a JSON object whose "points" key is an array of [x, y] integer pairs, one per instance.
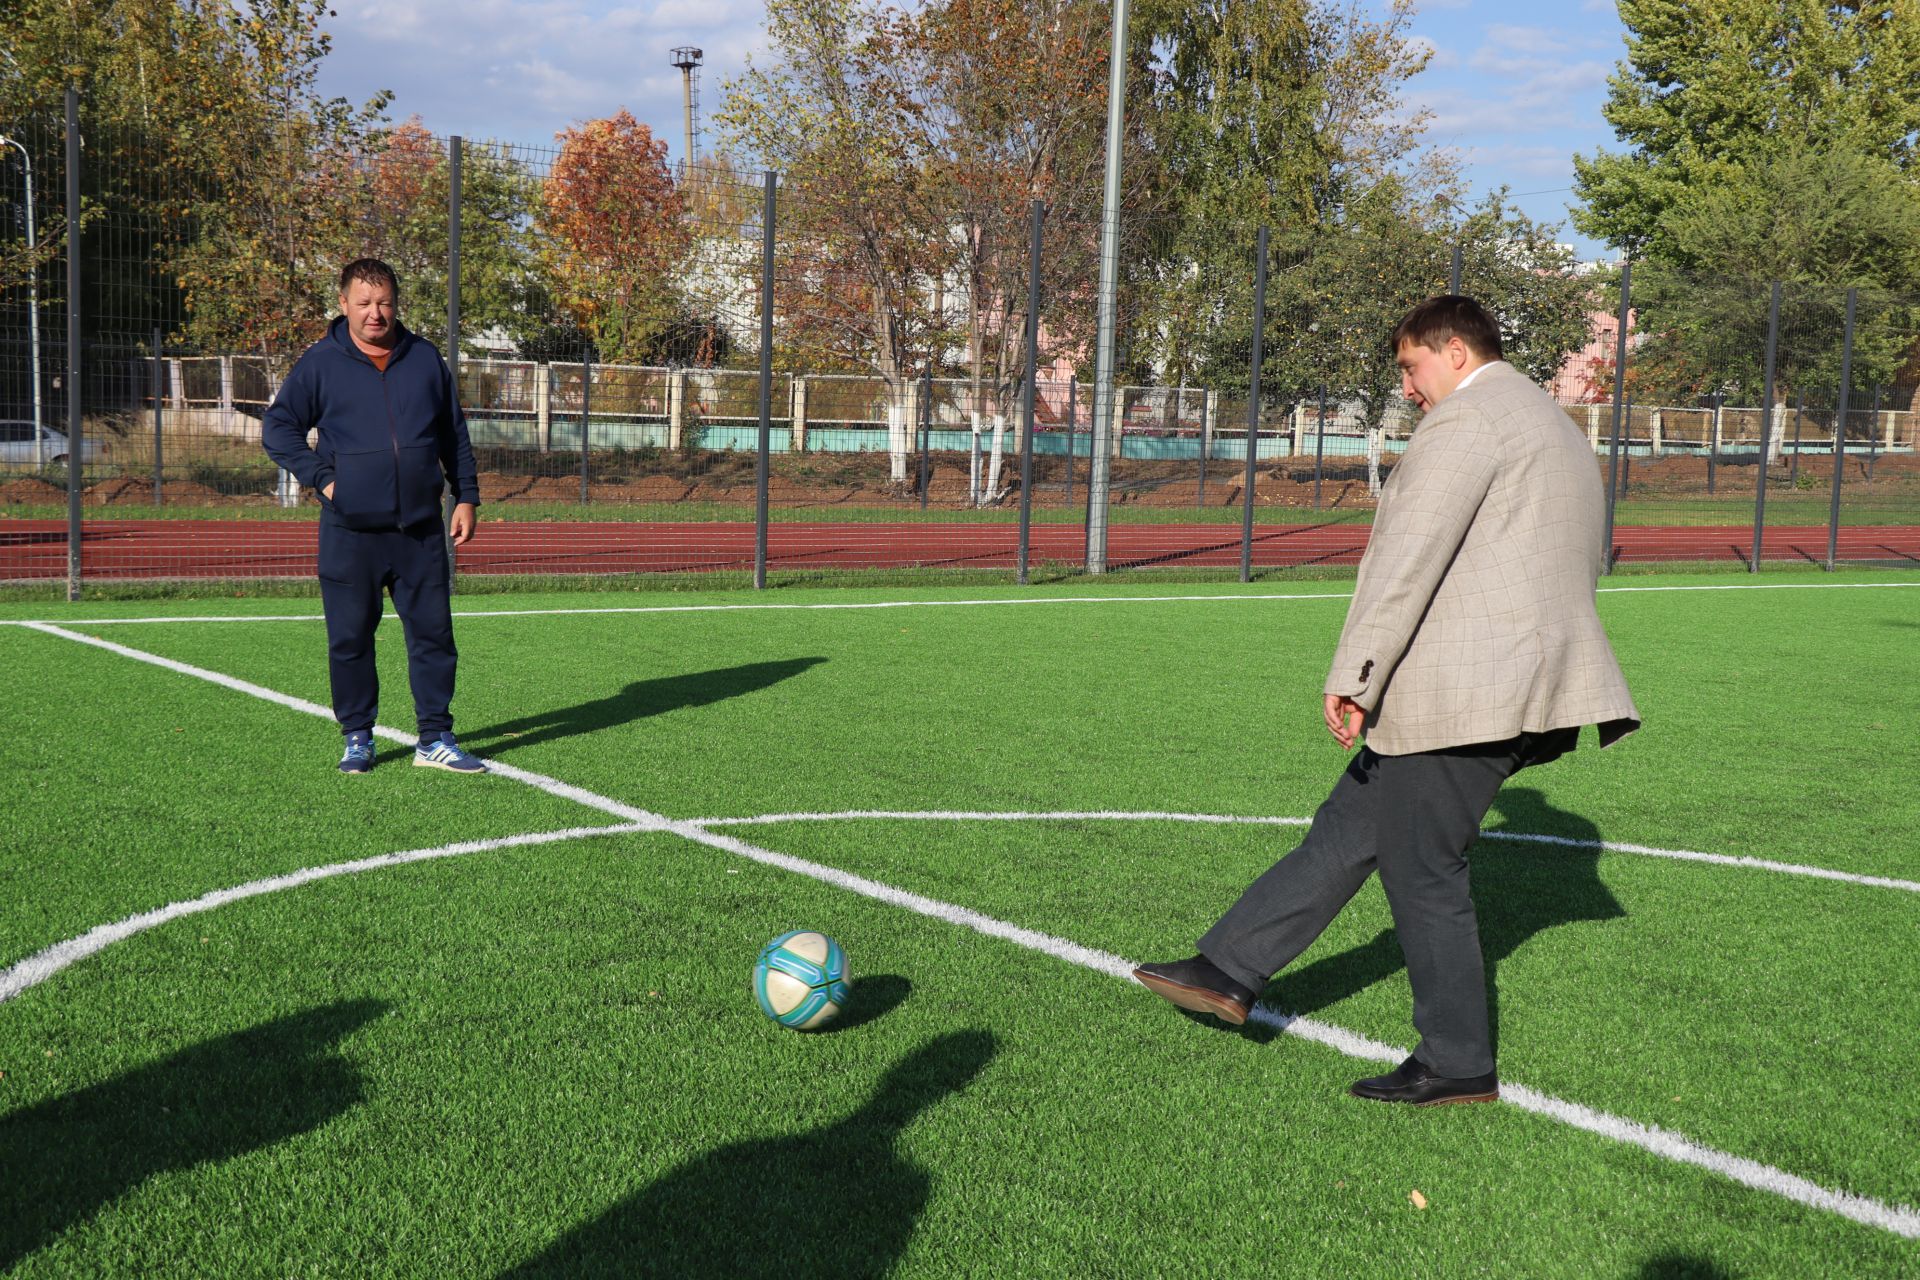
{"points": [[687, 58]]}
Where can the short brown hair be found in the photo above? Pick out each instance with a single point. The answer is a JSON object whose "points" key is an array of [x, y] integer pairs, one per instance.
{"points": [[1437, 320], [370, 270]]}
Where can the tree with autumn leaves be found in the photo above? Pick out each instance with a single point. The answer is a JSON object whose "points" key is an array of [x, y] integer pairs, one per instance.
{"points": [[216, 170], [613, 235]]}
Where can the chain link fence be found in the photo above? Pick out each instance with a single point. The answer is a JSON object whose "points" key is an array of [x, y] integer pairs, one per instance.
{"points": [[660, 380]]}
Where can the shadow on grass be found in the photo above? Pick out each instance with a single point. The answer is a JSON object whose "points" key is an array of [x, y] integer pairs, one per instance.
{"points": [[872, 998], [1519, 890], [637, 701], [69, 1157], [1680, 1266], [839, 1202]]}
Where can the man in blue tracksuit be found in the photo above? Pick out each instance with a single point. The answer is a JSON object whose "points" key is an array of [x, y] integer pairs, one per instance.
{"points": [[391, 437]]}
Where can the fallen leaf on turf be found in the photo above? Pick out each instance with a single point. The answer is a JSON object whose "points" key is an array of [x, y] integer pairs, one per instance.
{"points": [[1419, 1201]]}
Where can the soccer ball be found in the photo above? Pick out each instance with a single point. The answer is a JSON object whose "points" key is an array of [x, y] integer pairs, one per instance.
{"points": [[801, 979]]}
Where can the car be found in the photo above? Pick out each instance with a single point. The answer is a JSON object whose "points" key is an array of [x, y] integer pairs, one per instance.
{"points": [[17, 445]]}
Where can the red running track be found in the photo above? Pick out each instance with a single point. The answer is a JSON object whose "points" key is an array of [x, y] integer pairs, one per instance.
{"points": [[120, 549]]}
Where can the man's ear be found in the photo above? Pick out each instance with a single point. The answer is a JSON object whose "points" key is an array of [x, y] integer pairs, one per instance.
{"points": [[1457, 353]]}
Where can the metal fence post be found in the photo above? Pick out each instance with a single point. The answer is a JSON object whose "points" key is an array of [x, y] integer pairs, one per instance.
{"points": [[1253, 404], [1026, 405], [761, 463], [1766, 428], [1619, 406], [75, 441], [159, 498], [1840, 431], [453, 318]]}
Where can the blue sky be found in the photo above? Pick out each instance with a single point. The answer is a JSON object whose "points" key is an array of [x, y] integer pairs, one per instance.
{"points": [[1515, 88]]}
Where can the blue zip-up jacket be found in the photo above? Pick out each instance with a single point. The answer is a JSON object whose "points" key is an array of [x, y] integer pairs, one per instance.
{"points": [[388, 441]]}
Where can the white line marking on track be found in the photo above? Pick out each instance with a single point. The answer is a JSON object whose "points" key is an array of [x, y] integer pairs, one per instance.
{"points": [[37, 968], [899, 604], [1121, 815], [1898, 1219]]}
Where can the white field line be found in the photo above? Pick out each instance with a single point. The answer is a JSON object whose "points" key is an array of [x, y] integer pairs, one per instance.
{"points": [[722, 608], [552, 786], [1762, 586], [37, 968], [899, 604], [1121, 815], [1898, 1219], [1717, 859]]}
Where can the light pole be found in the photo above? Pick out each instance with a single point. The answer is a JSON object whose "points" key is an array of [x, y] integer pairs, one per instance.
{"points": [[1105, 308], [33, 303]]}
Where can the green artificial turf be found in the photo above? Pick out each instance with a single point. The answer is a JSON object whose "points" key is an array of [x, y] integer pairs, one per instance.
{"points": [[545, 1061]]}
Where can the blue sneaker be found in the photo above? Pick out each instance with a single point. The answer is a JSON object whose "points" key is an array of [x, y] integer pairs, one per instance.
{"points": [[444, 753], [358, 757]]}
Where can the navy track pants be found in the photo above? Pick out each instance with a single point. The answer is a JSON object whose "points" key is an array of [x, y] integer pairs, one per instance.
{"points": [[357, 567]]}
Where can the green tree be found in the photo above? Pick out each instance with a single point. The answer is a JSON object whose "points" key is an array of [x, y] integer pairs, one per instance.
{"points": [[1817, 219], [401, 217], [1284, 113], [1712, 87], [216, 174], [1766, 140]]}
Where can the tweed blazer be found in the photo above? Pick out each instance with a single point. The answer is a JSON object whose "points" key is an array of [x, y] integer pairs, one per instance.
{"points": [[1473, 619]]}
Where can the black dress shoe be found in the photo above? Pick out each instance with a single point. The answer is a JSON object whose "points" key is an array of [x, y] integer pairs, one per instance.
{"points": [[1199, 985], [1413, 1082]]}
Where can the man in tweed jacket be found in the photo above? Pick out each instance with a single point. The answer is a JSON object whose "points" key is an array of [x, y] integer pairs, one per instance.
{"points": [[1472, 649]]}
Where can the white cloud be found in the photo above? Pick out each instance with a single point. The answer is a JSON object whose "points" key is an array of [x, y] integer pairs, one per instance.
{"points": [[1527, 39]]}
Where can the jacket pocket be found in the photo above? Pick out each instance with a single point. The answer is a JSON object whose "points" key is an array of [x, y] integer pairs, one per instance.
{"points": [[420, 484], [363, 488]]}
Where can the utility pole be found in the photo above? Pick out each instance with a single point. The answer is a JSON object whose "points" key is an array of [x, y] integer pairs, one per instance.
{"points": [[687, 58], [1105, 308]]}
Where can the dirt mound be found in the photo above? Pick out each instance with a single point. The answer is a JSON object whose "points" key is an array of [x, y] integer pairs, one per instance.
{"points": [[125, 490], [796, 493], [1185, 493], [191, 493], [645, 489], [31, 491]]}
